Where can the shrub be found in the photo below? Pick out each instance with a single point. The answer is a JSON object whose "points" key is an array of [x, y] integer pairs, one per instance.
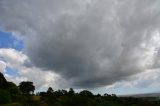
{"points": [[5, 97]]}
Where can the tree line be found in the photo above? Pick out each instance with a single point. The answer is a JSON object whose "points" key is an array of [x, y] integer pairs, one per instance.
{"points": [[23, 95]]}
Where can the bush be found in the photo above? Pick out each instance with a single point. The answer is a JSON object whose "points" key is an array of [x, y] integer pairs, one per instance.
{"points": [[5, 97]]}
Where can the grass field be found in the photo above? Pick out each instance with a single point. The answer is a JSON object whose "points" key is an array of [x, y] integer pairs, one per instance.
{"points": [[35, 98]]}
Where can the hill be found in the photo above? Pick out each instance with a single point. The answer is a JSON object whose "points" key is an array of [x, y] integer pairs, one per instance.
{"points": [[142, 95]]}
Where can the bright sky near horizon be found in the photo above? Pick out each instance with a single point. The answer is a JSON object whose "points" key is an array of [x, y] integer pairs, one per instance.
{"points": [[107, 46]]}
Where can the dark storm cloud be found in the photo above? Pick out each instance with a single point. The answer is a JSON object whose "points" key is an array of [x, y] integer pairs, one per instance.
{"points": [[90, 43]]}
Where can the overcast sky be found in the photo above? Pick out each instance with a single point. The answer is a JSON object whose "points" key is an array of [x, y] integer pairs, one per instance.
{"points": [[101, 45]]}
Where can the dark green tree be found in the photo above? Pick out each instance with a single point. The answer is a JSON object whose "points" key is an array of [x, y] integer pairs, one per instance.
{"points": [[5, 97], [26, 87], [64, 92], [71, 92], [3, 82], [14, 91], [12, 88], [86, 93], [50, 90]]}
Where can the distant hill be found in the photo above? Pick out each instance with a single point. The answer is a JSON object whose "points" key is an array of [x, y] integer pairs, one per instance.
{"points": [[142, 95]]}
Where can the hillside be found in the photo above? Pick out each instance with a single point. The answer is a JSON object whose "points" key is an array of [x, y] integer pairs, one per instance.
{"points": [[142, 95]]}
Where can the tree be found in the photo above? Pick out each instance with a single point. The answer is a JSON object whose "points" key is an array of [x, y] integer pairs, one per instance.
{"points": [[27, 87], [71, 92], [14, 91], [50, 90], [86, 93], [12, 88], [3, 81], [5, 96], [64, 92]]}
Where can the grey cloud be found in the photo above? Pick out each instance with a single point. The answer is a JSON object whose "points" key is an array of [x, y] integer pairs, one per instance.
{"points": [[89, 43]]}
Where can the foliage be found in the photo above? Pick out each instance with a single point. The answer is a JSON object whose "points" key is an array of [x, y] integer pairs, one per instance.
{"points": [[5, 97], [50, 90], [3, 82], [13, 90], [86, 93], [12, 95], [71, 92], [27, 87]]}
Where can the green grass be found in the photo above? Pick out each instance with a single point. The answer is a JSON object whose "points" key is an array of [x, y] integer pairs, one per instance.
{"points": [[36, 98]]}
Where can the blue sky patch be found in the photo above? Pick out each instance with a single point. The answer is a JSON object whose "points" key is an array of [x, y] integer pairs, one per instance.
{"points": [[11, 71], [9, 41]]}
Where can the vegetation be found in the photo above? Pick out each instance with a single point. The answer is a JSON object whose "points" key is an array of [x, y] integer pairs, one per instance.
{"points": [[23, 95], [26, 87]]}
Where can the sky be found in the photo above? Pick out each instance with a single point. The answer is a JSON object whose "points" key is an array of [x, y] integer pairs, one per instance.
{"points": [[106, 46]]}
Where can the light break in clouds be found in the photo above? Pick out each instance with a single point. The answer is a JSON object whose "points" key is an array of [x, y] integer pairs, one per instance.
{"points": [[89, 43], [17, 61]]}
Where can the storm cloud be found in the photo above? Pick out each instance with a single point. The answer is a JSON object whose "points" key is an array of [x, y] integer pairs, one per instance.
{"points": [[89, 43]]}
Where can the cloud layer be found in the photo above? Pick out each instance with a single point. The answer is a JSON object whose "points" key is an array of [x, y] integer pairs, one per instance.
{"points": [[16, 60], [89, 43]]}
